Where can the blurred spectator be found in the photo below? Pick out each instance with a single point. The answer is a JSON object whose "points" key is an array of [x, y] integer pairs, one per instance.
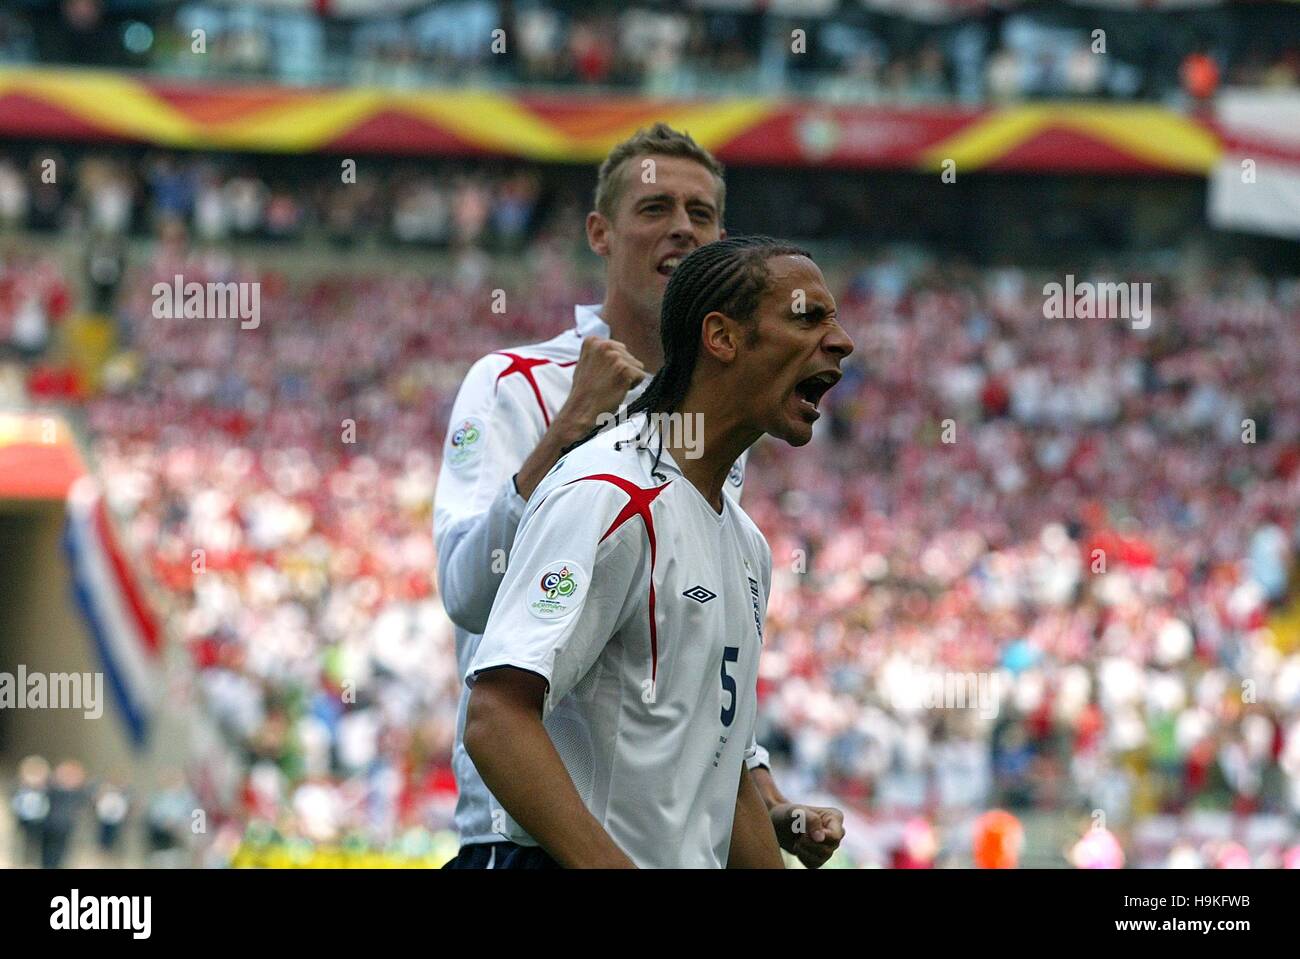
{"points": [[67, 796], [1097, 849], [111, 807], [171, 183], [13, 196], [169, 820], [1200, 75], [998, 840], [31, 808]]}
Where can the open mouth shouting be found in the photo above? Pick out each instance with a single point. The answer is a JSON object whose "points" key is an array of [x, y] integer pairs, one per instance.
{"points": [[809, 392], [670, 262]]}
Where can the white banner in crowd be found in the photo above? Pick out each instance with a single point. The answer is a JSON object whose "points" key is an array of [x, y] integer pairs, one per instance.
{"points": [[1256, 185]]}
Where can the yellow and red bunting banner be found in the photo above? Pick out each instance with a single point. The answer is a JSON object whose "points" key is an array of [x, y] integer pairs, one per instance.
{"points": [[99, 106]]}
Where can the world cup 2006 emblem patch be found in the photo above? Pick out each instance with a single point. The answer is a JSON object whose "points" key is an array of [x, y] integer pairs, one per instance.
{"points": [[557, 589], [465, 444]]}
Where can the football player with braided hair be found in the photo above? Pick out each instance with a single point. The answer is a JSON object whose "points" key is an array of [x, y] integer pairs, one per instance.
{"points": [[613, 695]]}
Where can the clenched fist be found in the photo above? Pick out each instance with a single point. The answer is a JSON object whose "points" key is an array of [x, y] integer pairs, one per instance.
{"points": [[604, 374], [812, 833]]}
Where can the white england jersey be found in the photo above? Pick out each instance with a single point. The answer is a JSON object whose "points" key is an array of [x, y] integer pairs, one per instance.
{"points": [[642, 607], [504, 407]]}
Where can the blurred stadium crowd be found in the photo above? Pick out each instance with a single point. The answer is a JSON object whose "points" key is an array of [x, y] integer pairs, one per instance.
{"points": [[110, 195], [1070, 506], [874, 51]]}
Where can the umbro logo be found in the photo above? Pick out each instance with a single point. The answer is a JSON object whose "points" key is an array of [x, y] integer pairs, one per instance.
{"points": [[700, 594]]}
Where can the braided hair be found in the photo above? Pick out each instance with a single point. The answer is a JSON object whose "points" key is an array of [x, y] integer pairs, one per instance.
{"points": [[728, 276]]}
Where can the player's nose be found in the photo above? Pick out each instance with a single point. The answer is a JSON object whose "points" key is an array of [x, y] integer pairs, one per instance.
{"points": [[682, 227], [837, 341]]}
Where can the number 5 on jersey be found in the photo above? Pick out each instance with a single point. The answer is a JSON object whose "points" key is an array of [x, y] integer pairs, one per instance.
{"points": [[729, 655]]}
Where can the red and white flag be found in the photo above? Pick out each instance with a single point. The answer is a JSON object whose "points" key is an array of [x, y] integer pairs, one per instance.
{"points": [[116, 608], [1256, 185]]}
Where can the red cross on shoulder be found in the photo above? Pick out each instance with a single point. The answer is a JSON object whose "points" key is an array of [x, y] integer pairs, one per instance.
{"points": [[524, 366], [638, 504]]}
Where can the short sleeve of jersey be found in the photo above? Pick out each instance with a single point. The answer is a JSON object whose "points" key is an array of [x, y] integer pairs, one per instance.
{"points": [[488, 438], [567, 588]]}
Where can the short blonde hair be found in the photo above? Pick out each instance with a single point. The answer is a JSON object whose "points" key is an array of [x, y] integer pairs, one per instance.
{"points": [[659, 140]]}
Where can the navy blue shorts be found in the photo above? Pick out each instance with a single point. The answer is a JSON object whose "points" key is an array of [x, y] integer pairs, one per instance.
{"points": [[501, 855]]}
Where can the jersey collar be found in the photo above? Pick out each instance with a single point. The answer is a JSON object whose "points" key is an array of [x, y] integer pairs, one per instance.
{"points": [[588, 321], [669, 465]]}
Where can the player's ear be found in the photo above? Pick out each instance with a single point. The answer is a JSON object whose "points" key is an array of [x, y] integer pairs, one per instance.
{"points": [[718, 336], [598, 233]]}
